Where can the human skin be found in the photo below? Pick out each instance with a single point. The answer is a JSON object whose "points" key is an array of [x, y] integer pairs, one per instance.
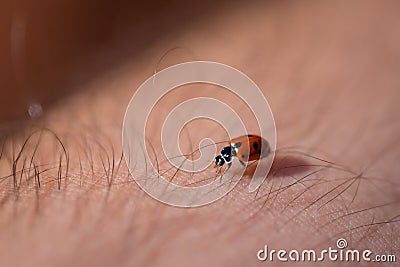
{"points": [[330, 74]]}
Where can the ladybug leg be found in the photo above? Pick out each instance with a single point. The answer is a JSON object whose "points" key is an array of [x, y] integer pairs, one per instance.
{"points": [[218, 170], [228, 167], [243, 164]]}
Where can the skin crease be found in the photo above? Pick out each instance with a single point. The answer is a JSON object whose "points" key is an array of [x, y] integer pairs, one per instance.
{"points": [[330, 74]]}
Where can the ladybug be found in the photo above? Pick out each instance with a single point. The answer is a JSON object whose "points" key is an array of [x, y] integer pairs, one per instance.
{"points": [[246, 148]]}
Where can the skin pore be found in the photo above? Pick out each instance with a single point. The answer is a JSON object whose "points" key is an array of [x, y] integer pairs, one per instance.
{"points": [[330, 74]]}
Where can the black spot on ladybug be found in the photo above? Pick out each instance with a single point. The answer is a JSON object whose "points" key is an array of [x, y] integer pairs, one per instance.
{"points": [[250, 135], [243, 156], [255, 145], [238, 144]]}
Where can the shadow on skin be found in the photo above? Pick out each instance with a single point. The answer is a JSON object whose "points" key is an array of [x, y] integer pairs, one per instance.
{"points": [[283, 166]]}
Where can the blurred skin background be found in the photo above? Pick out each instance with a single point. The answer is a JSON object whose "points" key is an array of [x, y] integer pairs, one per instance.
{"points": [[328, 69], [49, 48]]}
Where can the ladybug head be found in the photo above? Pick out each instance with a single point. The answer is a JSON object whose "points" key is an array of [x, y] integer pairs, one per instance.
{"points": [[219, 161], [226, 156]]}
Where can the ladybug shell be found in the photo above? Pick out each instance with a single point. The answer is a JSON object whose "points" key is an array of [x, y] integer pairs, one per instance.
{"points": [[250, 147]]}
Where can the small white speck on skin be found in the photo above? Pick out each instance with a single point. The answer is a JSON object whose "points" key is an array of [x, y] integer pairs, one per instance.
{"points": [[35, 110]]}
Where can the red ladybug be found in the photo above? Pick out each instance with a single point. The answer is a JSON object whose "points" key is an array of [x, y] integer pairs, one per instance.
{"points": [[246, 148]]}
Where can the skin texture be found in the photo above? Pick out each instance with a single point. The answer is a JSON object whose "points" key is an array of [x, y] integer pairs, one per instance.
{"points": [[330, 74]]}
